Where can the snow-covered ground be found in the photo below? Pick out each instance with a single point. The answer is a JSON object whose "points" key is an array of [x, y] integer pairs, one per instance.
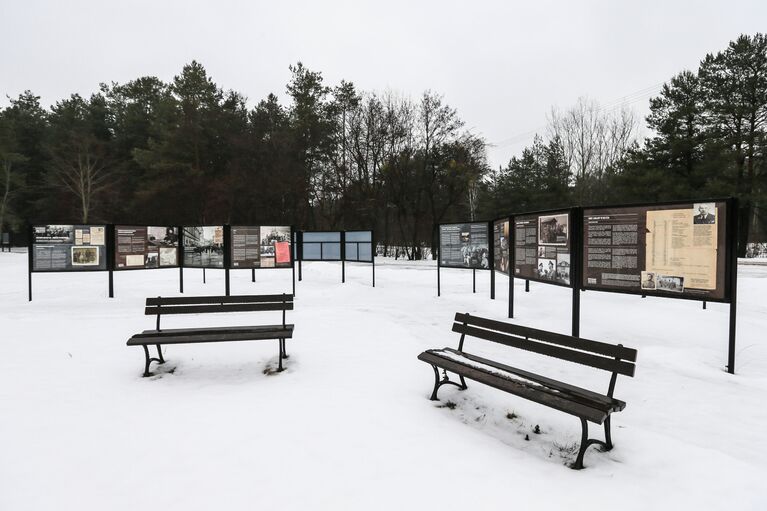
{"points": [[349, 424]]}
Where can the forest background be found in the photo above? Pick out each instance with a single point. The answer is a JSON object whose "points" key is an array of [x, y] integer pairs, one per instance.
{"points": [[189, 152]]}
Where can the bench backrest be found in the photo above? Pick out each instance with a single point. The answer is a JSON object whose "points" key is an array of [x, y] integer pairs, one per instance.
{"points": [[609, 357], [214, 304], [205, 304]]}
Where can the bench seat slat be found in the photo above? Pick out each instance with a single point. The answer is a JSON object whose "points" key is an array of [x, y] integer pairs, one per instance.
{"points": [[606, 349], [588, 396], [210, 337], [519, 388], [201, 309], [217, 329], [596, 361], [201, 300]]}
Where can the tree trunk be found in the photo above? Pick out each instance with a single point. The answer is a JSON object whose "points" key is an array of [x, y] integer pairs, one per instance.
{"points": [[6, 194], [744, 213]]}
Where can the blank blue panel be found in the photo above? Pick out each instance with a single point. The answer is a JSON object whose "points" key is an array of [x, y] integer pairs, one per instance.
{"points": [[359, 236], [365, 252], [322, 236], [331, 251], [311, 250]]}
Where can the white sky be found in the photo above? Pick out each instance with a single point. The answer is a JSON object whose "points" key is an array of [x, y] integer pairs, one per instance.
{"points": [[501, 64]]}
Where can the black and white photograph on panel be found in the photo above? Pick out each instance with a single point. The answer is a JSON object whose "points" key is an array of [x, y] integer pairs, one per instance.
{"points": [[563, 268], [168, 256], [49, 234], [85, 256], [553, 229], [501, 245], [672, 284], [547, 269], [152, 259], [204, 247], [275, 246], [162, 236], [705, 213], [648, 281]]}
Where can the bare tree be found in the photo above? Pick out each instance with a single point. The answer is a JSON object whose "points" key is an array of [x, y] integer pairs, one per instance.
{"points": [[82, 168], [594, 141], [438, 123]]}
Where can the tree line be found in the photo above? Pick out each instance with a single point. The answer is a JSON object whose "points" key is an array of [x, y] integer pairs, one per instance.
{"points": [[189, 152], [334, 157], [708, 140]]}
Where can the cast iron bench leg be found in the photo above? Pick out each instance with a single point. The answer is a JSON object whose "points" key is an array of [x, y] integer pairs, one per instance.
{"points": [[586, 442], [283, 352], [438, 382], [149, 360], [279, 368]]}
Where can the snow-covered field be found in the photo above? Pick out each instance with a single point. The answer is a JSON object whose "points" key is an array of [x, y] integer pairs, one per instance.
{"points": [[349, 424]]}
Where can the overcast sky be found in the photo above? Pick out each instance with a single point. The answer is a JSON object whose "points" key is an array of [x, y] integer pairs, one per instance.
{"points": [[502, 64]]}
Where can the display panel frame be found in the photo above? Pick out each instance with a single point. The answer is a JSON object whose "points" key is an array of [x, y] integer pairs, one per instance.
{"points": [[115, 252], [103, 255], [726, 248], [340, 244], [357, 244], [488, 226], [229, 247]]}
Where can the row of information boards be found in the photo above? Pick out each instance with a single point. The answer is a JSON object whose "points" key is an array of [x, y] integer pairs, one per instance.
{"points": [[683, 250], [83, 248], [60, 248]]}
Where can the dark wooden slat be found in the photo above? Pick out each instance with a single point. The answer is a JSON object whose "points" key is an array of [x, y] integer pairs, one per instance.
{"points": [[200, 309], [217, 329], [596, 361], [200, 300], [519, 388], [602, 348], [598, 400], [209, 337]]}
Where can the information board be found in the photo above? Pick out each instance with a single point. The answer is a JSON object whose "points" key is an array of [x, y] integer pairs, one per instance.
{"points": [[501, 245], [260, 246], [669, 250], [464, 245], [145, 247], [69, 248], [321, 246], [358, 246], [203, 246], [542, 244]]}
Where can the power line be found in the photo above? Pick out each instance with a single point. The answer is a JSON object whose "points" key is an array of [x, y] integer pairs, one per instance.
{"points": [[616, 104]]}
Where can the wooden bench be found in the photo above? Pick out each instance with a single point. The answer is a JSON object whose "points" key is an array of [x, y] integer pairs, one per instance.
{"points": [[213, 304], [585, 404]]}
